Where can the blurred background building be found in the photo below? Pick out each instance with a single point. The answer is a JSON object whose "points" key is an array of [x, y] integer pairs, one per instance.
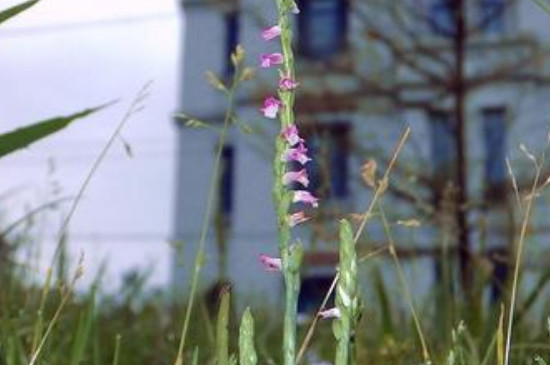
{"points": [[470, 77]]}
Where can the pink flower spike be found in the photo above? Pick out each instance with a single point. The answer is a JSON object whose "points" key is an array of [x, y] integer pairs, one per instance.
{"points": [[330, 313], [296, 154], [305, 196], [271, 107], [270, 263], [287, 84], [270, 59], [298, 176], [290, 134], [270, 33], [297, 218]]}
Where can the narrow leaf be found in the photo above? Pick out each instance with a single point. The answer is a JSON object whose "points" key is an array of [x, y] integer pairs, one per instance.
{"points": [[247, 353], [83, 331], [14, 10], [195, 360], [22, 137], [500, 338], [222, 336]]}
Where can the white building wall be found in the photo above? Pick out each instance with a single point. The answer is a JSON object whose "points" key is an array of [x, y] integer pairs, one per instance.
{"points": [[253, 228]]}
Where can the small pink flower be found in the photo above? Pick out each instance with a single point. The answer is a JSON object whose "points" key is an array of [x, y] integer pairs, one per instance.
{"points": [[296, 176], [270, 263], [286, 83], [290, 134], [296, 154], [305, 196], [271, 107], [330, 313], [270, 59], [297, 218], [270, 33]]}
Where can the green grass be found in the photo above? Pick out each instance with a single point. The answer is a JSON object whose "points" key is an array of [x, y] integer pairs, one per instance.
{"points": [[51, 324]]}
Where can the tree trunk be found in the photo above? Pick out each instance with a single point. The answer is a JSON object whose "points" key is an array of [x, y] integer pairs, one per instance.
{"points": [[460, 94]]}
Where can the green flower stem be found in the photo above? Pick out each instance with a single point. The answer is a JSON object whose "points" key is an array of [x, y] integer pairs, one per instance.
{"points": [[291, 256], [287, 97], [292, 259]]}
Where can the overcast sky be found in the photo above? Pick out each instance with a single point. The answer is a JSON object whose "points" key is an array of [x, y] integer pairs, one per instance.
{"points": [[66, 55]]}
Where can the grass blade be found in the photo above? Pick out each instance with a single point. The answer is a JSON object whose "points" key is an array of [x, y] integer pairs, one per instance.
{"points": [[14, 10], [23, 137], [117, 349], [83, 331], [195, 360], [222, 335], [500, 339], [247, 353]]}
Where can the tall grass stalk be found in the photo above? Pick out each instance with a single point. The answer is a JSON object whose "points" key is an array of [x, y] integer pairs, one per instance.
{"points": [[347, 298], [238, 57], [380, 189], [404, 285], [39, 323], [135, 107], [116, 354], [519, 256], [67, 292], [222, 331], [247, 352]]}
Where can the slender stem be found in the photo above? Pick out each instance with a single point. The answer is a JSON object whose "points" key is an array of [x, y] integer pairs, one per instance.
{"points": [[519, 255], [134, 108], [66, 296], [199, 257], [282, 197], [291, 296], [408, 295], [377, 194], [383, 185]]}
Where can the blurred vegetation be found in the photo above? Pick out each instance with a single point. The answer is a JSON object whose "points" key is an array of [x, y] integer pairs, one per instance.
{"points": [[137, 325]]}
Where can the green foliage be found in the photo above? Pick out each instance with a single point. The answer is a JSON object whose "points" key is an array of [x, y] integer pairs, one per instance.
{"points": [[83, 330], [247, 353], [22, 137], [347, 297], [17, 9], [222, 331]]}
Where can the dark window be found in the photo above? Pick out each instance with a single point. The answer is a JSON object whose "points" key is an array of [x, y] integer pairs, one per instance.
{"points": [[443, 152], [226, 180], [494, 134], [328, 147], [441, 17], [443, 144], [231, 40], [322, 26], [312, 292], [491, 15]]}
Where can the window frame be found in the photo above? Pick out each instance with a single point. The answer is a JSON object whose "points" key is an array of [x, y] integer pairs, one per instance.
{"points": [[495, 187], [231, 20], [485, 24], [226, 185], [307, 15], [335, 137]]}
